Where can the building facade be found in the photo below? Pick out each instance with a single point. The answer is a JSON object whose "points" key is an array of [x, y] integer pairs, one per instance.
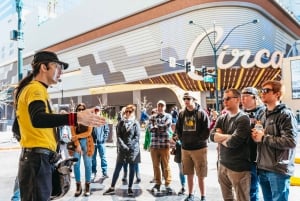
{"points": [[118, 49]]}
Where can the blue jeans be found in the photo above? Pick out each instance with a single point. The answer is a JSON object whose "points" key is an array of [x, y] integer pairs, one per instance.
{"points": [[132, 167], [274, 186], [181, 175], [16, 195], [102, 153], [86, 160], [254, 188]]}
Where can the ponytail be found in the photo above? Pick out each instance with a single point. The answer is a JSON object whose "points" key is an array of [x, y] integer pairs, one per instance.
{"points": [[25, 81]]}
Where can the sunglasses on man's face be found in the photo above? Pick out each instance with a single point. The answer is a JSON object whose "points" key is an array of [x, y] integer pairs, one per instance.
{"points": [[186, 99], [80, 109], [266, 90], [228, 98]]}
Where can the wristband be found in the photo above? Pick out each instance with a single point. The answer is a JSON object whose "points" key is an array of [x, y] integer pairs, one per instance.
{"points": [[72, 119], [69, 119], [75, 118]]}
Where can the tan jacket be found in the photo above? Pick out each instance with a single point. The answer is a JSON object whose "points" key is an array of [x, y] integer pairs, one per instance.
{"points": [[88, 135]]}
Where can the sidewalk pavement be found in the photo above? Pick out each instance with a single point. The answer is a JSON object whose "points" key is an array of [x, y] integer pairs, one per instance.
{"points": [[10, 149]]}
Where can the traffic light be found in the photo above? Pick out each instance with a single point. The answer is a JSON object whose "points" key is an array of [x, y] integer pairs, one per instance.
{"points": [[187, 67], [14, 35], [204, 71]]}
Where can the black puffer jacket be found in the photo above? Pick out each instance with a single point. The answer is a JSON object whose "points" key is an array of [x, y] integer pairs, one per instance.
{"points": [[128, 136], [276, 152]]}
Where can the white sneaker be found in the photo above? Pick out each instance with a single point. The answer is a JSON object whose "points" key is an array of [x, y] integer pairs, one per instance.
{"points": [[93, 177], [105, 176]]}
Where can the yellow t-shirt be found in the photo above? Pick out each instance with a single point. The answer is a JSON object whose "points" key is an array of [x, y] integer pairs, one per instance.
{"points": [[31, 136]]}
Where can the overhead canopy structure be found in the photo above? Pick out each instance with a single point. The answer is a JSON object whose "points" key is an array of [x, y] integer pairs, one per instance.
{"points": [[230, 78]]}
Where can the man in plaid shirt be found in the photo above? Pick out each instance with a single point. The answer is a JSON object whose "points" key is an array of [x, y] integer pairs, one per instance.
{"points": [[160, 128]]}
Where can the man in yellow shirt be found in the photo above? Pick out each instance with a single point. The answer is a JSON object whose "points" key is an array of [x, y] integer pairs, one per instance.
{"points": [[37, 126]]}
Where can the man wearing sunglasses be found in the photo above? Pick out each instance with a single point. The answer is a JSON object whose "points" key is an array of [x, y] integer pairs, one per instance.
{"points": [[192, 128], [36, 125], [276, 144], [232, 131]]}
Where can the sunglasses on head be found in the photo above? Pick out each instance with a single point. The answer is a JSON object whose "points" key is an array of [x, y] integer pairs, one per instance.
{"points": [[228, 98], [266, 90]]}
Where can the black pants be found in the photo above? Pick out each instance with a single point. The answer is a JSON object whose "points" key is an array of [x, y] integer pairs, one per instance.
{"points": [[35, 176]]}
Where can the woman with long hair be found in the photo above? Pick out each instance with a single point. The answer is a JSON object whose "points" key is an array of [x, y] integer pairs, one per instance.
{"points": [[83, 141], [128, 136]]}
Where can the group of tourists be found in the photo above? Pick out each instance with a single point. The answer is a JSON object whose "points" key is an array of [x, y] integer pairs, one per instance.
{"points": [[256, 136], [256, 144]]}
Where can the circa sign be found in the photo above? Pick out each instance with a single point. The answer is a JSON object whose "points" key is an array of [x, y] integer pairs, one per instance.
{"points": [[273, 60]]}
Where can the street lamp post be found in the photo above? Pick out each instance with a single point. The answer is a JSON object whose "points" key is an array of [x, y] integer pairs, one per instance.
{"points": [[62, 96], [215, 49], [19, 7], [61, 88]]}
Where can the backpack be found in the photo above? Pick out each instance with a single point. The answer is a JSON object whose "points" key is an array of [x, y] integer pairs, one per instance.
{"points": [[61, 178], [16, 130]]}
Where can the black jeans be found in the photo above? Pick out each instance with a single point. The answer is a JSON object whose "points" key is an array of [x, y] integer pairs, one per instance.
{"points": [[35, 176], [117, 172]]}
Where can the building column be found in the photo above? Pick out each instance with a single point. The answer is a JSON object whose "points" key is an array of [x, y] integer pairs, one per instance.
{"points": [[104, 98], [202, 100], [137, 99]]}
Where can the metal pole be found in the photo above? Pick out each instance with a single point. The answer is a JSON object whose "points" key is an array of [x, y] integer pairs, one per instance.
{"points": [[19, 6], [61, 90], [62, 96], [215, 49], [216, 79]]}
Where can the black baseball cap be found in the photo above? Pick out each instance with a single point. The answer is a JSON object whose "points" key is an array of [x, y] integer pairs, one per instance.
{"points": [[47, 56]]}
